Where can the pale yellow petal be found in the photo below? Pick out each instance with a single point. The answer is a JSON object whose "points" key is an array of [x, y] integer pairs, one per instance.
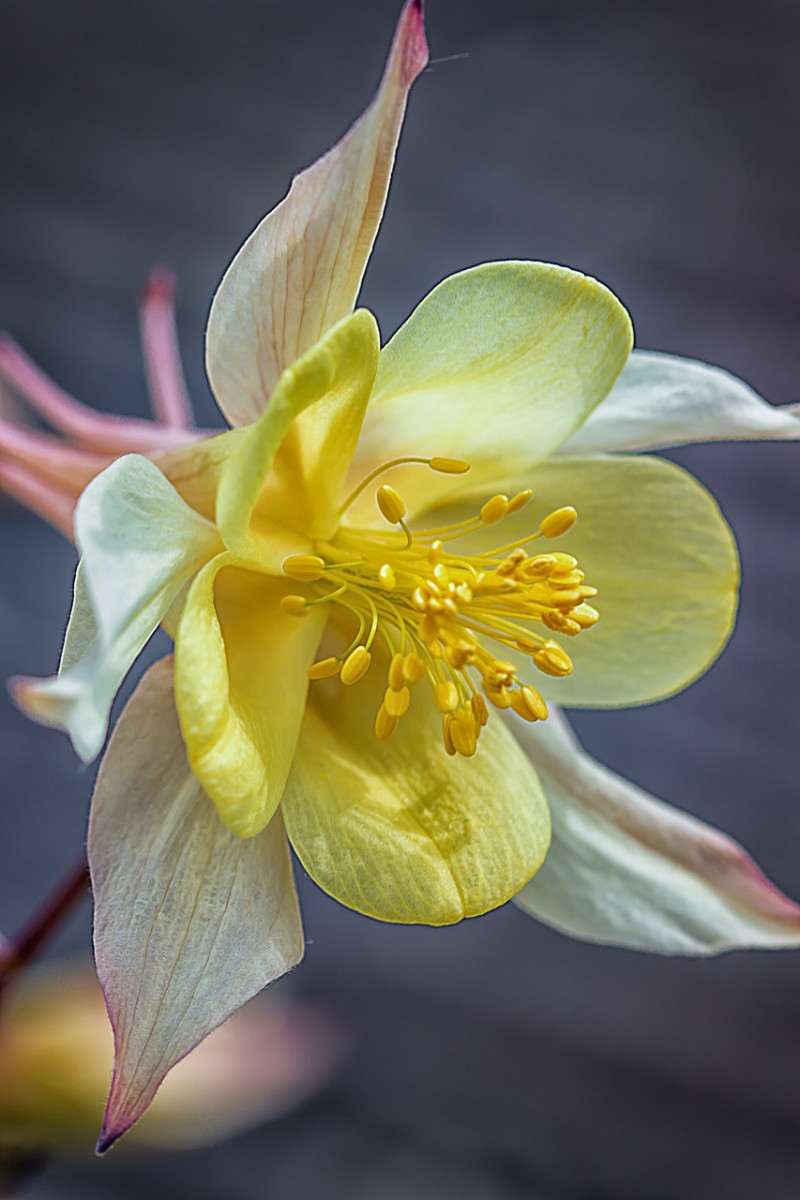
{"points": [[240, 686], [503, 360], [282, 484], [300, 271], [654, 543], [190, 920], [397, 829]]}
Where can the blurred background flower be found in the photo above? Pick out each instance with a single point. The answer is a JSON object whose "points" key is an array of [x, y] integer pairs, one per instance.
{"points": [[56, 1051]]}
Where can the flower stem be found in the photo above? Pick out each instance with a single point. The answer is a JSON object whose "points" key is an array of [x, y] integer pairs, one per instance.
{"points": [[17, 953]]}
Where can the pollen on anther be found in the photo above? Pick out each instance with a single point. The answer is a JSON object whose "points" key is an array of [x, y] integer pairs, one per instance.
{"points": [[558, 522], [307, 568], [386, 577], [520, 500], [494, 509], [397, 703], [324, 669], [448, 466], [391, 504], [294, 606], [445, 693], [356, 665]]}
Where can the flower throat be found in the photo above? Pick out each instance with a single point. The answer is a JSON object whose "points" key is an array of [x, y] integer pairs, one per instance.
{"points": [[445, 616]]}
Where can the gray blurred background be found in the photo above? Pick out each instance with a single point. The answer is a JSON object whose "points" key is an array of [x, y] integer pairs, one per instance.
{"points": [[653, 146]]}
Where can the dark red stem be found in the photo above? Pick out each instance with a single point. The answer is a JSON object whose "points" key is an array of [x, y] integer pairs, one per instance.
{"points": [[20, 950]]}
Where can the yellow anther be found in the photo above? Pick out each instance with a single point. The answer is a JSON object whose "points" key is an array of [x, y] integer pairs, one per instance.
{"points": [[449, 466], [397, 703], [397, 679], [500, 697], [387, 578], [429, 629], [445, 693], [447, 724], [391, 504], [305, 567], [295, 606], [564, 562], [585, 615], [494, 509], [536, 702], [459, 656], [587, 592], [356, 665], [463, 733], [441, 574], [520, 500], [479, 710], [385, 724], [539, 567], [558, 522], [529, 704], [413, 668], [552, 660], [529, 645], [324, 669], [435, 552], [561, 622]]}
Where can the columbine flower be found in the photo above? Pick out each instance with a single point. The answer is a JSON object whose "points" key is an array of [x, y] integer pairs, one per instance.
{"points": [[365, 579]]}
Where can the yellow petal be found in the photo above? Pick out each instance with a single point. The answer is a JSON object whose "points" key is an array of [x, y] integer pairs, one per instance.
{"points": [[300, 271], [503, 356], [399, 830], [654, 543], [307, 434], [240, 687]]}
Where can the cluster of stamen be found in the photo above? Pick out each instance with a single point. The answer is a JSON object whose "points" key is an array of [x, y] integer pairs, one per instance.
{"points": [[438, 612]]}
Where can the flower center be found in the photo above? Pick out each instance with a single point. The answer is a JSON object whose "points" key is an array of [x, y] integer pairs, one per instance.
{"points": [[444, 616]]}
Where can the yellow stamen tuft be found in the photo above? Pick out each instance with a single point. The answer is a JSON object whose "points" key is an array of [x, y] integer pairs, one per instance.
{"points": [[324, 669], [307, 568], [391, 504], [295, 606], [448, 466], [558, 522], [356, 665], [444, 616]]}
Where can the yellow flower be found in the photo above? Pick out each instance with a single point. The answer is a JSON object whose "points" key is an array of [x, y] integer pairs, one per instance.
{"points": [[393, 559]]}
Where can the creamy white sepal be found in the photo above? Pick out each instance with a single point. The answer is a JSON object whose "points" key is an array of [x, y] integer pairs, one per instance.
{"points": [[190, 920], [300, 270], [662, 400], [140, 543], [629, 870]]}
